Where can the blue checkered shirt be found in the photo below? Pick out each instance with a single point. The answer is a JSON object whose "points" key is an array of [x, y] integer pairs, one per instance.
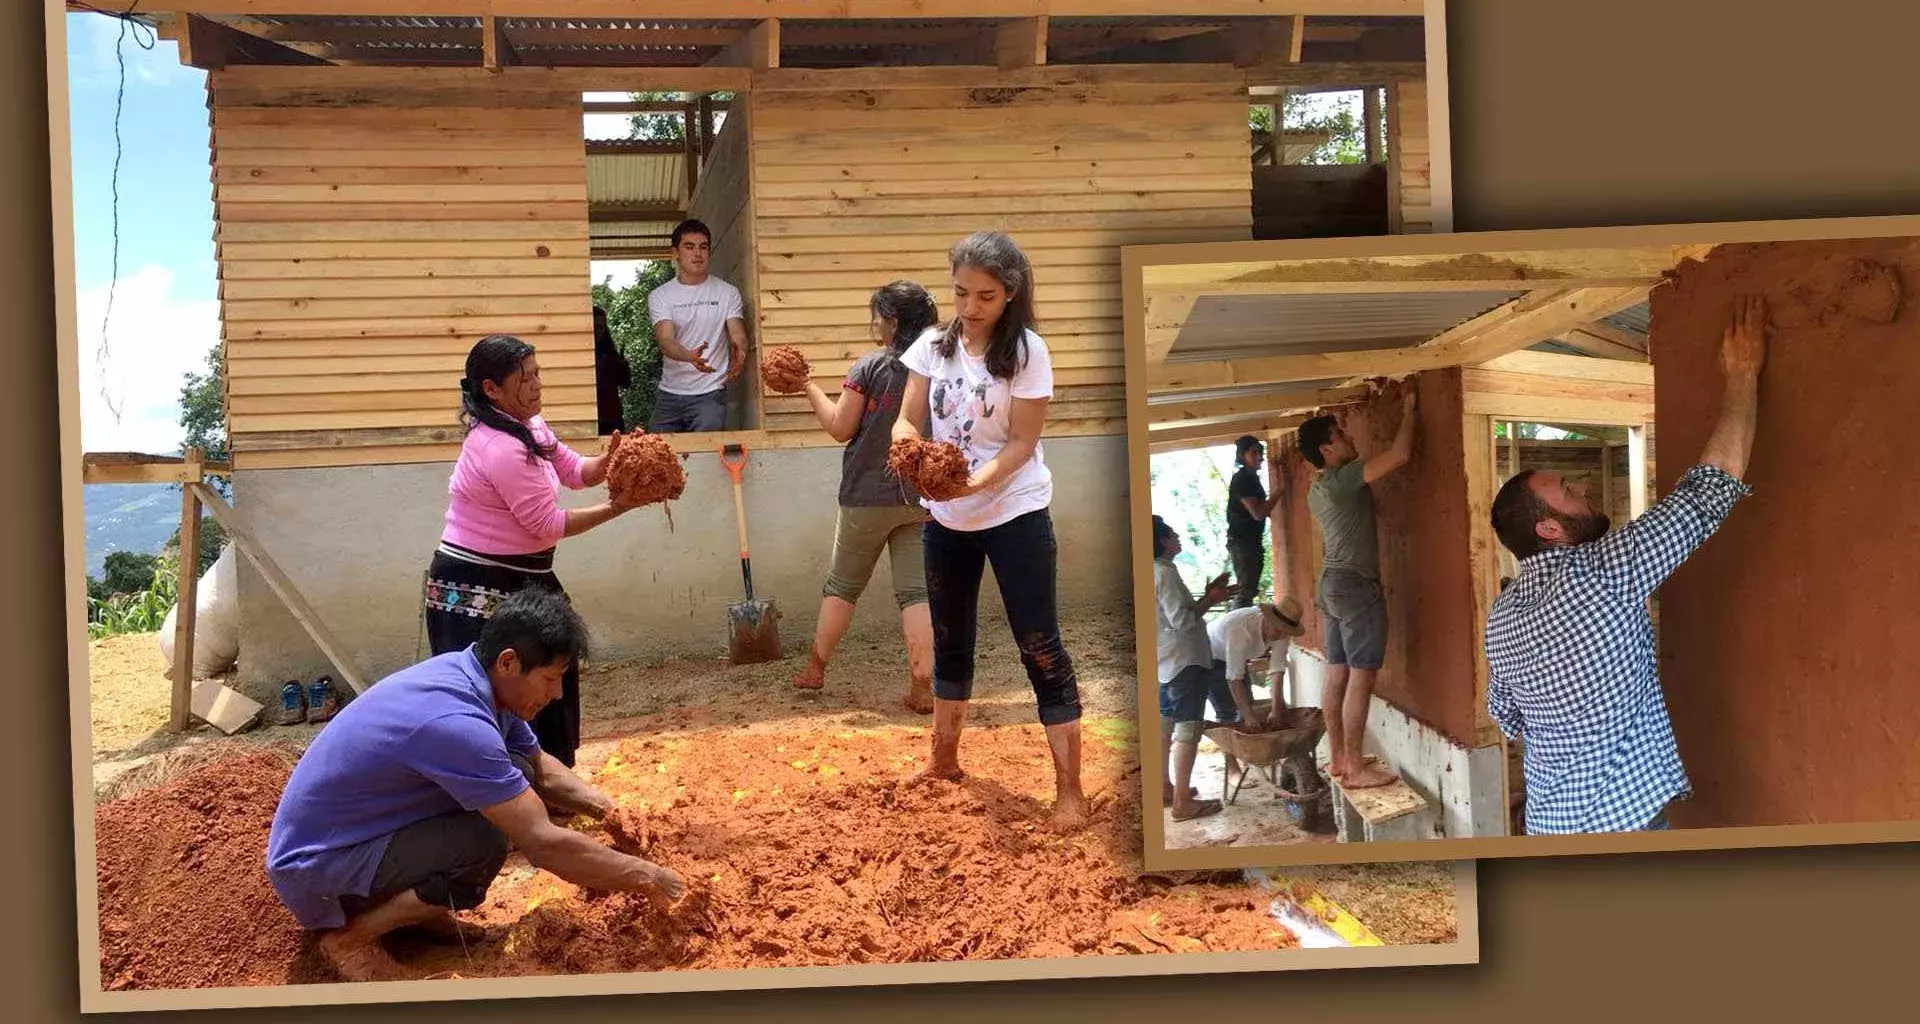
{"points": [[1571, 665]]}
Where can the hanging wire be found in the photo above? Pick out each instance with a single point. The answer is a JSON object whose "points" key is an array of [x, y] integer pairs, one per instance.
{"points": [[144, 38]]}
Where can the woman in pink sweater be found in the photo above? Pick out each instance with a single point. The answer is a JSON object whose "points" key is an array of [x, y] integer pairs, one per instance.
{"points": [[504, 518]]}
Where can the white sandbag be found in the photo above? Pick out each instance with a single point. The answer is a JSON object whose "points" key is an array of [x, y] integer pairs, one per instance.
{"points": [[216, 624]]}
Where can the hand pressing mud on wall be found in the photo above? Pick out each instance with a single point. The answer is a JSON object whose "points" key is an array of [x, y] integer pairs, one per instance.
{"points": [[937, 469], [643, 470], [786, 371]]}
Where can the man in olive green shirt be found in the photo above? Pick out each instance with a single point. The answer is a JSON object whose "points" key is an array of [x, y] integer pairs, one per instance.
{"points": [[1352, 608]]}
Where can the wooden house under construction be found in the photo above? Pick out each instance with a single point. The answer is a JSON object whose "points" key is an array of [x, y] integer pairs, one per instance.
{"points": [[393, 181]]}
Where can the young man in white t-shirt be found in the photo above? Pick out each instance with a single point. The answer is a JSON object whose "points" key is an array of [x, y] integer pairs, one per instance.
{"points": [[700, 325]]}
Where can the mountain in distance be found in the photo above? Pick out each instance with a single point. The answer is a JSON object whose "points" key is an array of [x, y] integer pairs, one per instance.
{"points": [[128, 517]]}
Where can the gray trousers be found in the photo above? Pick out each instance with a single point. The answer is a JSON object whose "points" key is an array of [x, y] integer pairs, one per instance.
{"points": [[675, 414]]}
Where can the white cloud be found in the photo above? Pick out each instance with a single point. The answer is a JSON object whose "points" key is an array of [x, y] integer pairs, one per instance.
{"points": [[622, 272], [153, 341], [94, 58]]}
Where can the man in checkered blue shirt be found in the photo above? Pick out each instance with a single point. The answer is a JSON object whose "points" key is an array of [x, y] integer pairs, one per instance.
{"points": [[1570, 644]]}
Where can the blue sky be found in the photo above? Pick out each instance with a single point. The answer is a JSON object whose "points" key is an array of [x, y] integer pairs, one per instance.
{"points": [[165, 314]]}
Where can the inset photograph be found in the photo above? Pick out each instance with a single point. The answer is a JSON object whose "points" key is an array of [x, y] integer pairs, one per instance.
{"points": [[1526, 542]]}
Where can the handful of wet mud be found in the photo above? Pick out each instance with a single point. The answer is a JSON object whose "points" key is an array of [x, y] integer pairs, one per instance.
{"points": [[937, 469], [785, 370], [643, 470]]}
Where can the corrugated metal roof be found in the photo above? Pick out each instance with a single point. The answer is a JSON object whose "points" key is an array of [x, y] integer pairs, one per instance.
{"points": [[1636, 318], [636, 178], [1237, 326]]}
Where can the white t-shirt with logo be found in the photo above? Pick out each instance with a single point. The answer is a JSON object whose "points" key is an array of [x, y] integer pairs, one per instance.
{"points": [[972, 409], [699, 313]]}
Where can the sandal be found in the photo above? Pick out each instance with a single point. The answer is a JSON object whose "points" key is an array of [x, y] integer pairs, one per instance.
{"points": [[1201, 809]]}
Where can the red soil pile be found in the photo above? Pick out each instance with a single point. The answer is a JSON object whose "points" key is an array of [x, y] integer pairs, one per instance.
{"points": [[937, 469], [184, 896], [785, 370], [1291, 718], [645, 470]]}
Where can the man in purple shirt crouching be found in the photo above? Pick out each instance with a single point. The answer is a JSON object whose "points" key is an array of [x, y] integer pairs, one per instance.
{"points": [[404, 807]]}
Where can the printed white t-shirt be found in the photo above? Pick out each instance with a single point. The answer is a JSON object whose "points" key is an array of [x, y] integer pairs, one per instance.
{"points": [[699, 313], [972, 409]]}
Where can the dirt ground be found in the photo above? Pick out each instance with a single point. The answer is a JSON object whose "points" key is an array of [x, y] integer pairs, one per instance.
{"points": [[784, 811]]}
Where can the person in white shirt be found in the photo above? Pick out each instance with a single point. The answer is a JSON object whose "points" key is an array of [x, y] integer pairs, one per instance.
{"points": [[701, 328], [1245, 635], [982, 382], [1186, 672]]}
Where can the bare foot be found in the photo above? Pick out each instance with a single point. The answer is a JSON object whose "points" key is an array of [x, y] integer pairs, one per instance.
{"points": [[1070, 814], [450, 929], [948, 772], [919, 698], [814, 676], [356, 960], [1368, 776]]}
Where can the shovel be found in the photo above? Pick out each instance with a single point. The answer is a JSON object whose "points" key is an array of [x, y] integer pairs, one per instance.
{"points": [[753, 625]]}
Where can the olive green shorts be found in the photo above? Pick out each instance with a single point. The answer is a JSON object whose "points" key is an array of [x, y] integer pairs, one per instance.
{"points": [[860, 533]]}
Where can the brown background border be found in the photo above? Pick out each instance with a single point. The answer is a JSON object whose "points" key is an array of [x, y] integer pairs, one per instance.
{"points": [[1615, 112]]}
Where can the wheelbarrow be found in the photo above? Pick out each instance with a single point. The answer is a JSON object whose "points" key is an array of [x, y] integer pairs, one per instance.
{"points": [[1290, 746]]}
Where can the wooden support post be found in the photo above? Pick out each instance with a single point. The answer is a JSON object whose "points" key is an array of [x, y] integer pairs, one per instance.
{"points": [[690, 137], [706, 128], [1370, 112], [495, 52], [186, 594], [1606, 477], [1513, 449], [1636, 470]]}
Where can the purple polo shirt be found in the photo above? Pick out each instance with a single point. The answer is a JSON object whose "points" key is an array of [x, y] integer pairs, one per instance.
{"points": [[421, 743]]}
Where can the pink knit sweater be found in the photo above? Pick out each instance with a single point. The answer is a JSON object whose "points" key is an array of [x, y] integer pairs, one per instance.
{"points": [[502, 503]]}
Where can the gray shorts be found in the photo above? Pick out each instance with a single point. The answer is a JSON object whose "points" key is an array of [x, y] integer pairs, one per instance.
{"points": [[674, 414], [1355, 614]]}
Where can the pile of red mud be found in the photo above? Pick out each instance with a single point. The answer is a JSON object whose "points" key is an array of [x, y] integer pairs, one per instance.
{"points": [[184, 897], [804, 849], [785, 370], [937, 469], [644, 470], [1290, 719]]}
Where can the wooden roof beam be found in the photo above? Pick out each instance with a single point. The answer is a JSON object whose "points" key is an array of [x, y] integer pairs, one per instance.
{"points": [[211, 44], [1490, 271], [1227, 430], [1531, 319], [495, 51], [1269, 403], [1390, 358]]}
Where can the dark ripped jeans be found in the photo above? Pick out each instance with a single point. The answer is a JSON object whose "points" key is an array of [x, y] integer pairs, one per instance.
{"points": [[1023, 555]]}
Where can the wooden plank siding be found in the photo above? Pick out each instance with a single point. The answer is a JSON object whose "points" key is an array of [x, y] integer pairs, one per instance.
{"points": [[1410, 160], [853, 188], [368, 236]]}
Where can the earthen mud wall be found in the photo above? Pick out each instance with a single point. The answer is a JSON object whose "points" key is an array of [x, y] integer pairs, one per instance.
{"points": [[1421, 514], [1790, 642]]}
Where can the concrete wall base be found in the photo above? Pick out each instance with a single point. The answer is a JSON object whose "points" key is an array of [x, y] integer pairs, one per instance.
{"points": [[1462, 785], [356, 542]]}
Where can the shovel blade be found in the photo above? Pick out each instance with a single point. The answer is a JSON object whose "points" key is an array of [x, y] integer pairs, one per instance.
{"points": [[753, 632]]}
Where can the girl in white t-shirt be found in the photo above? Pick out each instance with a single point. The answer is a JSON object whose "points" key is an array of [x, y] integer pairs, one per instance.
{"points": [[983, 381]]}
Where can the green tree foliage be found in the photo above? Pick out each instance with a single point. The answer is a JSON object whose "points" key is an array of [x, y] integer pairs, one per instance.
{"points": [[1190, 492], [212, 539], [632, 328], [141, 610], [1344, 123], [203, 414], [663, 127]]}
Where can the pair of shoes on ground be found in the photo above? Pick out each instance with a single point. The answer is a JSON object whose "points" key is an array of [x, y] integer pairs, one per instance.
{"points": [[313, 703]]}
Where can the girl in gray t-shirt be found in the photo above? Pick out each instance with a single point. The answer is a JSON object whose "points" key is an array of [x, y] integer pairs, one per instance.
{"points": [[877, 512]]}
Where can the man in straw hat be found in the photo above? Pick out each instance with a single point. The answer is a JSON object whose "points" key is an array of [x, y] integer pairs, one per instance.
{"points": [[1244, 635], [1570, 644]]}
